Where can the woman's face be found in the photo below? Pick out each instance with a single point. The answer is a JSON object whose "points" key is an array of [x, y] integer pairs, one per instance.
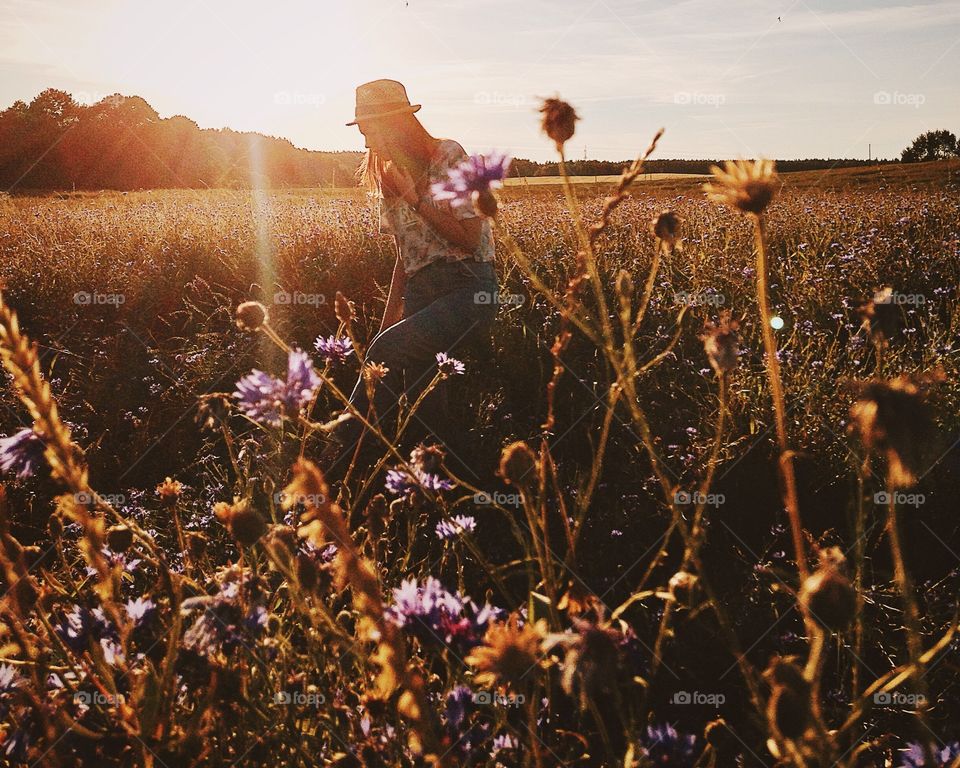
{"points": [[385, 135], [375, 137]]}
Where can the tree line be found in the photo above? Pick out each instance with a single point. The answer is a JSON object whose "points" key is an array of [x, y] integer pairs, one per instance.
{"points": [[527, 168], [121, 143]]}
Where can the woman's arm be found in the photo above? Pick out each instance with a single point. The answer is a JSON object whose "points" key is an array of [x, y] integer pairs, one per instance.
{"points": [[393, 312], [464, 233]]}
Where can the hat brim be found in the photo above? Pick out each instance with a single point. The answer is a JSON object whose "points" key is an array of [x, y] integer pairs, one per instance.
{"points": [[399, 111]]}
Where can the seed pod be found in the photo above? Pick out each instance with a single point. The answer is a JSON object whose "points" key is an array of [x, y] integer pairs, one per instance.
{"points": [[892, 418], [788, 709], [196, 544], [284, 536], [720, 736], [119, 538], [518, 464], [827, 595], [242, 520], [343, 309], [169, 491], [682, 586], [251, 315], [376, 515], [721, 342], [666, 227], [559, 121], [788, 713]]}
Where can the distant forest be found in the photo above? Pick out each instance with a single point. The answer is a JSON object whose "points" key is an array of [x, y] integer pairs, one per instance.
{"points": [[121, 143]]}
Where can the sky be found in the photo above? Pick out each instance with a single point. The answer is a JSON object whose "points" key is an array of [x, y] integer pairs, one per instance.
{"points": [[743, 78]]}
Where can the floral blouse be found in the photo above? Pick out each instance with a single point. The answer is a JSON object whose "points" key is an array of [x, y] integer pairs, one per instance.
{"points": [[419, 244]]}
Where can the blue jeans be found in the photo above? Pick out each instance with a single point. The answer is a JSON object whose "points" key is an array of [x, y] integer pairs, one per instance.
{"points": [[446, 306]]}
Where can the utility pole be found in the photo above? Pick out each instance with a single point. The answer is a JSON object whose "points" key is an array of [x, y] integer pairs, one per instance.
{"points": [[869, 152]]}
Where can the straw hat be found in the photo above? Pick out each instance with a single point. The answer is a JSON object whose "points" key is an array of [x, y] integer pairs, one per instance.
{"points": [[380, 98]]}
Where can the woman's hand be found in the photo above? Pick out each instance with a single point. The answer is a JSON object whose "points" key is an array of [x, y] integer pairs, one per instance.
{"points": [[397, 182]]}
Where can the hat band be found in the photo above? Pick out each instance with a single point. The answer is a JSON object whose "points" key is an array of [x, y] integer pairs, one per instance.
{"points": [[370, 110]]}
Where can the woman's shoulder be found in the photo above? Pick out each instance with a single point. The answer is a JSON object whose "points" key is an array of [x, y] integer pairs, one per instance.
{"points": [[450, 152]]}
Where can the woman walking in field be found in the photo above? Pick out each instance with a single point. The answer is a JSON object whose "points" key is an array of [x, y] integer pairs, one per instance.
{"points": [[444, 286]]}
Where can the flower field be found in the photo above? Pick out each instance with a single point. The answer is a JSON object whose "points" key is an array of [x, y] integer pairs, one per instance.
{"points": [[698, 504]]}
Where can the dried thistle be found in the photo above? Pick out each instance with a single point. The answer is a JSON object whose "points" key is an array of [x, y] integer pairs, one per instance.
{"points": [[251, 315], [881, 317], [827, 595], [788, 708], [682, 587], [343, 309], [374, 372], [666, 228], [558, 121], [745, 185], [589, 667], [721, 342], [508, 654], [169, 491], [518, 464], [242, 520], [119, 538], [892, 418]]}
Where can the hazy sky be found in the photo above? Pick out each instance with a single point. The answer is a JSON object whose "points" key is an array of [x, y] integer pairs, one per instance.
{"points": [[726, 79]]}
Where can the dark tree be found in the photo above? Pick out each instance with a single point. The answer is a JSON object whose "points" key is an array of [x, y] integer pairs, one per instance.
{"points": [[932, 145]]}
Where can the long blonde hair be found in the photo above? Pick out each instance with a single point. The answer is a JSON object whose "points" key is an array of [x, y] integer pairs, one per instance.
{"points": [[370, 170], [370, 173]]}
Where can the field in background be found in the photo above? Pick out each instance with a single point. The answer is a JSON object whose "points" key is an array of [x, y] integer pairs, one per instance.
{"points": [[131, 297], [537, 181]]}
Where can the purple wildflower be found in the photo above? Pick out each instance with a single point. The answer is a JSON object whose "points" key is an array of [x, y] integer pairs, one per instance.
{"points": [[455, 526], [302, 381], [449, 365], [9, 678], [259, 396], [475, 176], [81, 626], [333, 350], [433, 614], [140, 610], [458, 704], [914, 757], [402, 483], [665, 747], [503, 742], [266, 399], [229, 618], [22, 453]]}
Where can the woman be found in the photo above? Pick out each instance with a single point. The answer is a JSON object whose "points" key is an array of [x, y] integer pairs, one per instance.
{"points": [[444, 286]]}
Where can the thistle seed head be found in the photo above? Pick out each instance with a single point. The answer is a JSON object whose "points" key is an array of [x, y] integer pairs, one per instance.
{"points": [[746, 185], [251, 315], [558, 121], [881, 317], [827, 595], [518, 464], [666, 228], [242, 520], [892, 418], [721, 342]]}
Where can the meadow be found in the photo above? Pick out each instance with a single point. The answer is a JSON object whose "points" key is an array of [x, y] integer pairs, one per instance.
{"points": [[616, 561]]}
